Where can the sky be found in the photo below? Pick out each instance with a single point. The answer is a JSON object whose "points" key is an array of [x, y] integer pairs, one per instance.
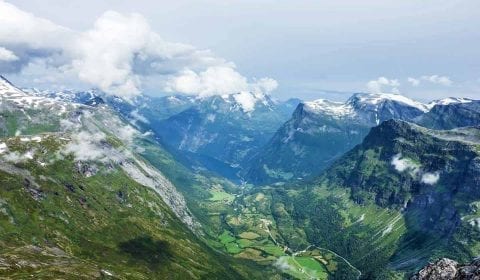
{"points": [[309, 49]]}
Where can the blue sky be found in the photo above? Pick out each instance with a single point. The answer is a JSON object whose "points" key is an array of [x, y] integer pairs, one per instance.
{"points": [[312, 49]]}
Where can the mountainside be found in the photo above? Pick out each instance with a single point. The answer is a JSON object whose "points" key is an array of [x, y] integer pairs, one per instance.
{"points": [[451, 113], [406, 195], [430, 178], [221, 132], [447, 269], [90, 190], [79, 201], [320, 131]]}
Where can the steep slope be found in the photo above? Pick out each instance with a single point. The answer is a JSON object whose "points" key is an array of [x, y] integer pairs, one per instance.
{"points": [[447, 269], [321, 131], [451, 113], [406, 195], [194, 128], [221, 132], [429, 178], [70, 219], [79, 201]]}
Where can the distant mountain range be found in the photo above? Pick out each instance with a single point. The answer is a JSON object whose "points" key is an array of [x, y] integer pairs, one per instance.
{"points": [[320, 131], [238, 186]]}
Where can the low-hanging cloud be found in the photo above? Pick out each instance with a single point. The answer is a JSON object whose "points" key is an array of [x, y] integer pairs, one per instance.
{"points": [[402, 164], [430, 178], [117, 55], [85, 146]]}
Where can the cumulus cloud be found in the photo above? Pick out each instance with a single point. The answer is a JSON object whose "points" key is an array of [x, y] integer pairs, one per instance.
{"points": [[217, 80], [436, 79], [214, 80], [414, 82], [430, 178], [7, 55], [383, 84], [118, 54]]}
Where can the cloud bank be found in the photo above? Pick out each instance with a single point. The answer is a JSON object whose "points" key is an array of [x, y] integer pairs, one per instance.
{"points": [[117, 55]]}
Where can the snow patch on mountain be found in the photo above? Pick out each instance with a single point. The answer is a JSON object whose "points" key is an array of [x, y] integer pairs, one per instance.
{"points": [[337, 109], [448, 101], [371, 101], [377, 98], [29, 100]]}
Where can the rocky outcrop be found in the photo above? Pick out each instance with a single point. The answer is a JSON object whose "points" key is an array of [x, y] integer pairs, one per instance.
{"points": [[447, 269]]}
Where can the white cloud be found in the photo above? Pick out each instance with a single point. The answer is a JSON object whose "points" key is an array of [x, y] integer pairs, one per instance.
{"points": [[379, 85], [86, 146], [282, 264], [265, 85], [118, 54], [217, 80], [405, 164], [16, 157], [126, 133], [18, 27], [414, 82], [430, 178], [436, 79], [137, 117], [7, 55]]}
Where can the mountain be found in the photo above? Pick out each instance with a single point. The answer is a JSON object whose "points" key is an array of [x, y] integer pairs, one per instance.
{"points": [[405, 196], [420, 189], [448, 270], [451, 113], [79, 201], [221, 132], [320, 131], [192, 127]]}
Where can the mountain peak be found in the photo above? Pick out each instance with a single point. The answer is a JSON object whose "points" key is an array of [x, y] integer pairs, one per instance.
{"points": [[375, 99], [245, 101], [6, 85], [449, 100], [332, 108]]}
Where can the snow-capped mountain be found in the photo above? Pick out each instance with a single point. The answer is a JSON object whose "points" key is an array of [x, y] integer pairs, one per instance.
{"points": [[11, 95], [221, 132], [448, 101], [321, 130], [451, 113]]}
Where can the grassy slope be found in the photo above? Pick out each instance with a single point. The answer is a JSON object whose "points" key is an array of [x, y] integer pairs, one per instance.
{"points": [[73, 226]]}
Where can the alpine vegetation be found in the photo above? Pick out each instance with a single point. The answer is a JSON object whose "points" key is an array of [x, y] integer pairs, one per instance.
{"points": [[127, 154]]}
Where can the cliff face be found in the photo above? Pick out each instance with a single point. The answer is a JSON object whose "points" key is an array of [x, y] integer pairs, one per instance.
{"points": [[447, 269]]}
